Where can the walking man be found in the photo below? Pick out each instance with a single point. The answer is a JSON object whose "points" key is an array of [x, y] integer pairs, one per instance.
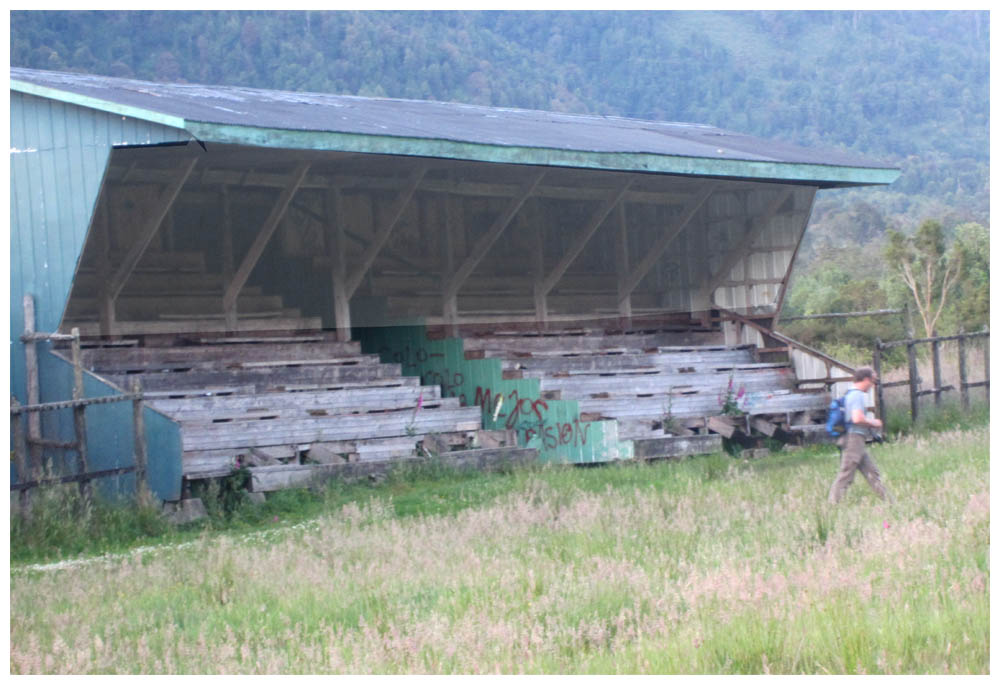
{"points": [[854, 456]]}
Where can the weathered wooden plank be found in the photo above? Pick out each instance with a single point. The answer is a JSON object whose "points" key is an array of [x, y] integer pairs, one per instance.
{"points": [[270, 478], [188, 326], [361, 397], [298, 431], [118, 366], [668, 383], [585, 343], [288, 410], [600, 362], [676, 447], [100, 358], [265, 379], [696, 405]]}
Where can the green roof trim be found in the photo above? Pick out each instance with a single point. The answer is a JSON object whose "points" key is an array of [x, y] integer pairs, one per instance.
{"points": [[608, 161], [98, 104]]}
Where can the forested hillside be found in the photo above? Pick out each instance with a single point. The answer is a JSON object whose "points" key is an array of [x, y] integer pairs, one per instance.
{"points": [[910, 88]]}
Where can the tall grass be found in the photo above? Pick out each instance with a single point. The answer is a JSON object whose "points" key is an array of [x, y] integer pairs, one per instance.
{"points": [[711, 565]]}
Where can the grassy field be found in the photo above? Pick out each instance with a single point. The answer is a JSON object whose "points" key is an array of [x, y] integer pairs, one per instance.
{"points": [[711, 565]]}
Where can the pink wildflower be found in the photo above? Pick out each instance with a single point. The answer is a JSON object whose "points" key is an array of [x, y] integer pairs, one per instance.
{"points": [[420, 400], [885, 524]]}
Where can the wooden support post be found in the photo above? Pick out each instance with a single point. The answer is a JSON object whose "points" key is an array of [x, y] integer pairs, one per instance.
{"points": [[79, 416], [986, 361], [382, 232], [936, 362], [106, 303], [139, 430], [663, 242], [622, 268], [227, 237], [879, 392], [253, 255], [24, 473], [31, 380], [963, 374], [452, 225], [911, 353], [536, 226], [337, 250], [148, 230], [494, 232]]}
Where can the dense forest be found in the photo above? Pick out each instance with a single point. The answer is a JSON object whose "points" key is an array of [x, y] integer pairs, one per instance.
{"points": [[911, 88]]}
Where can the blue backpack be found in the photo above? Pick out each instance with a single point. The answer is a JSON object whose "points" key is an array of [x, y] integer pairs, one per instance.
{"points": [[836, 416]]}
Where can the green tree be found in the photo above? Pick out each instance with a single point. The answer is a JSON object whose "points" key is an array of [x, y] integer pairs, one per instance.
{"points": [[928, 268]]}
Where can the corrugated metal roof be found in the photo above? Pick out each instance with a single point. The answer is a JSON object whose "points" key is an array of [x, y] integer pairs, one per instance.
{"points": [[226, 107]]}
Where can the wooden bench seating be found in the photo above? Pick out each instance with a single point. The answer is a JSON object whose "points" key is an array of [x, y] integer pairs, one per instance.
{"points": [[667, 384], [648, 379]]}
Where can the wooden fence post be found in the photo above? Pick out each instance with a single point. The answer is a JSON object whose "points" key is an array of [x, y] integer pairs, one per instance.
{"points": [[963, 374], [139, 427], [79, 415], [911, 353], [936, 362], [986, 360], [21, 454], [31, 379], [879, 393]]}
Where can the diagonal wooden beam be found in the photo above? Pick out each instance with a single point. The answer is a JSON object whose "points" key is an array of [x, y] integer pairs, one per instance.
{"points": [[382, 233], [496, 229], [663, 242], [760, 222], [266, 231], [596, 219], [148, 230]]}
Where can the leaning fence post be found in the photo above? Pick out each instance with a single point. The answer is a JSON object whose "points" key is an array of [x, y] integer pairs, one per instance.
{"points": [[31, 380], [879, 394], [140, 436], [79, 416], [936, 362], [911, 353], [963, 374]]}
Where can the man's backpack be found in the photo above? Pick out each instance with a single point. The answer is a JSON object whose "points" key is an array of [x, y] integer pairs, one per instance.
{"points": [[836, 416]]}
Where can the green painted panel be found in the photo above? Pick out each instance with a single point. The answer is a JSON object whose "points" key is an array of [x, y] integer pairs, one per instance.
{"points": [[551, 426], [616, 161]]}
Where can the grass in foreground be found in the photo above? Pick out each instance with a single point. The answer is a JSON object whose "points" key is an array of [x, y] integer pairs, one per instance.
{"points": [[707, 566]]}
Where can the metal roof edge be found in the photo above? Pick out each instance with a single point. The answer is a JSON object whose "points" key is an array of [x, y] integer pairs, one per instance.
{"points": [[98, 104], [608, 161]]}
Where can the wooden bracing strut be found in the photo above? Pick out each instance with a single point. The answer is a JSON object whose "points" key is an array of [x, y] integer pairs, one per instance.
{"points": [[484, 244], [754, 231], [545, 286], [632, 280], [257, 249], [148, 230]]}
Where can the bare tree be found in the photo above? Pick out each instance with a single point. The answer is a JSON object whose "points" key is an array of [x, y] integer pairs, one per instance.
{"points": [[927, 267]]}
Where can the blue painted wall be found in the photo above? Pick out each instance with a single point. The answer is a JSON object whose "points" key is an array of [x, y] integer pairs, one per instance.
{"points": [[58, 158]]}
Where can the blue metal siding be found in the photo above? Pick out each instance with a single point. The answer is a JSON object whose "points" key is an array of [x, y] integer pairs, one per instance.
{"points": [[59, 153], [58, 157], [110, 433]]}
